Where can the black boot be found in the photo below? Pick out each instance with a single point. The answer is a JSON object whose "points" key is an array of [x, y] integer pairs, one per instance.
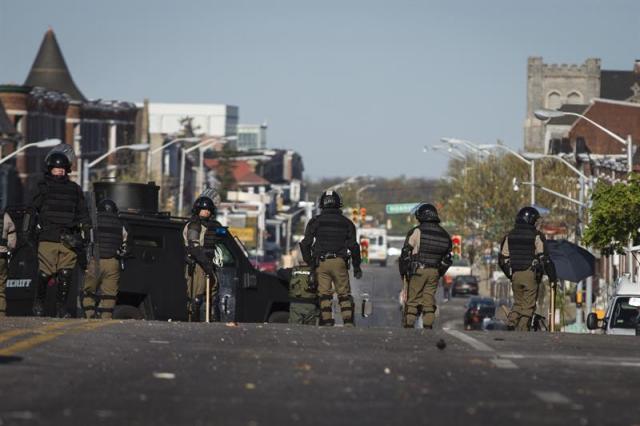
{"points": [[65, 277], [40, 294]]}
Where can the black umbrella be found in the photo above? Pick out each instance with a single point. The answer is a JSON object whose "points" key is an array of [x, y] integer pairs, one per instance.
{"points": [[573, 263]]}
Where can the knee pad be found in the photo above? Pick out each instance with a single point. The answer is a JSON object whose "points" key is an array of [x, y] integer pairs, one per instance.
{"points": [[43, 278], [65, 275]]}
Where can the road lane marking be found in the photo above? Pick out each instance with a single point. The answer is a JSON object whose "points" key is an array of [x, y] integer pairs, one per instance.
{"points": [[551, 397], [474, 343], [581, 360], [165, 376], [49, 333], [504, 363], [10, 334]]}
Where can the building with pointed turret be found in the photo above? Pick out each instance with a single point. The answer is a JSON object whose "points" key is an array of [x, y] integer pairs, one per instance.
{"points": [[50, 105]]}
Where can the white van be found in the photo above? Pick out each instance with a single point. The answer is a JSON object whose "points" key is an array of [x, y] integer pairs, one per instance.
{"points": [[377, 238], [624, 307]]}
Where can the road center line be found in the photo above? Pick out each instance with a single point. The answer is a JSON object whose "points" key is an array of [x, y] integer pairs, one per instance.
{"points": [[504, 363], [10, 334], [474, 343], [551, 397], [49, 333]]}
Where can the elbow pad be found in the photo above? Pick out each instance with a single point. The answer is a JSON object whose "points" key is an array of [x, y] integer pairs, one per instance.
{"points": [[505, 265]]}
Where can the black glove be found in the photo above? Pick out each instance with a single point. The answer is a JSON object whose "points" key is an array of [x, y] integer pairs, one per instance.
{"points": [[357, 272]]}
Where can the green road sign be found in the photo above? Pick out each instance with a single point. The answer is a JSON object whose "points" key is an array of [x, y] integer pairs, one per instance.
{"points": [[402, 208]]}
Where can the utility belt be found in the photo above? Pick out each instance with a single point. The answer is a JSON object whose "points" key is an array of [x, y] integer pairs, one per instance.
{"points": [[328, 256], [415, 265], [312, 300], [72, 240]]}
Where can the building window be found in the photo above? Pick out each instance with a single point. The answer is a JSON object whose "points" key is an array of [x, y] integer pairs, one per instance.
{"points": [[554, 100], [574, 98]]}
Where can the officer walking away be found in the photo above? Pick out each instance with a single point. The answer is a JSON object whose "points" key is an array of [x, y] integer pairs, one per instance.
{"points": [[7, 243], [524, 258], [425, 257], [329, 243], [63, 229], [201, 234], [103, 273], [303, 292]]}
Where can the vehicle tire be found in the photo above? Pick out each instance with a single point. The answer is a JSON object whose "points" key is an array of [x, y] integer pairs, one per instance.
{"points": [[383, 263], [281, 317], [127, 312]]}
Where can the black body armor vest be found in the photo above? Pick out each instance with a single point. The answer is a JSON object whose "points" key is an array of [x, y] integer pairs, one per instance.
{"points": [[332, 232], [109, 235], [434, 244], [60, 203], [522, 246]]}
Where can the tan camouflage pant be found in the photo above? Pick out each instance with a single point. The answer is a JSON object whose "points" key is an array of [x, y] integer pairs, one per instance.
{"points": [[53, 257], [105, 279], [196, 285], [421, 297], [332, 274], [525, 293]]}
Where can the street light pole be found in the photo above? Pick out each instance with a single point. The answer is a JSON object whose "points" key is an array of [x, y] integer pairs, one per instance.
{"points": [[531, 163], [184, 153], [47, 143], [163, 147]]}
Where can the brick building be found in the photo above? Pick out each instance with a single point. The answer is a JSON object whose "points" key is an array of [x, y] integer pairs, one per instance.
{"points": [[50, 105], [622, 118]]}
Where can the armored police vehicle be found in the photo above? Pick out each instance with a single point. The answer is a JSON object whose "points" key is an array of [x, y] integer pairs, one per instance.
{"points": [[153, 284]]}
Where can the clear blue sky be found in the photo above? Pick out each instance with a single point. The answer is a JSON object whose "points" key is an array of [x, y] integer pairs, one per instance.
{"points": [[358, 87]]}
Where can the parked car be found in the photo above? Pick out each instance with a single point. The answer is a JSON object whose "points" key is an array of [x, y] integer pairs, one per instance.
{"points": [[624, 310], [464, 284], [478, 308]]}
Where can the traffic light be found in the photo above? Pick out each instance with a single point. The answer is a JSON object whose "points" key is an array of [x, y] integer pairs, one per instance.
{"points": [[363, 215], [354, 216], [364, 249], [456, 250]]}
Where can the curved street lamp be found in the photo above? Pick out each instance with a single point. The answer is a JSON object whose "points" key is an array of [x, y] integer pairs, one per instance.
{"points": [[47, 143], [163, 147], [547, 114]]}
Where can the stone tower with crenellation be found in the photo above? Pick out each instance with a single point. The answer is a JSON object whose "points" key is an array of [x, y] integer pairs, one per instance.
{"points": [[553, 85]]}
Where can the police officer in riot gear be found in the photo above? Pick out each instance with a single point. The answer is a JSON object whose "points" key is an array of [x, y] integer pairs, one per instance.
{"points": [[7, 243], [329, 242], [63, 229], [104, 271], [201, 234], [523, 258], [425, 257]]}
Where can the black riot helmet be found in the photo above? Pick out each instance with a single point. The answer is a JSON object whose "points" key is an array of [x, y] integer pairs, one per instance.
{"points": [[203, 203], [330, 200], [107, 206], [527, 215], [427, 213], [57, 160]]}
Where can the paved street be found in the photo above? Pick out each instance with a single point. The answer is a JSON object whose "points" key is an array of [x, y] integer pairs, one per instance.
{"points": [[134, 372]]}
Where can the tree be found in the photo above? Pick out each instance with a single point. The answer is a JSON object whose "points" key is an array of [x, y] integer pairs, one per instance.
{"points": [[614, 216]]}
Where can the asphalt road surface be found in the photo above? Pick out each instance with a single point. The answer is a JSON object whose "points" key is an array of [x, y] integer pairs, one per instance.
{"points": [[151, 373]]}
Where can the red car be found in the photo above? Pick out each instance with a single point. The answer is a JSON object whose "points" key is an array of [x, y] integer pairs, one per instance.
{"points": [[266, 264]]}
